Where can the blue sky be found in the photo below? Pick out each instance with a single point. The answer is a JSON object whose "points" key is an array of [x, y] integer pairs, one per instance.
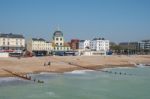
{"points": [[116, 20]]}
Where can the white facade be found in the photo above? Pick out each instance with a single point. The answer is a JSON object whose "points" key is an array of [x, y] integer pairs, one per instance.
{"points": [[97, 46], [84, 44], [145, 44], [59, 41], [38, 45], [12, 42]]}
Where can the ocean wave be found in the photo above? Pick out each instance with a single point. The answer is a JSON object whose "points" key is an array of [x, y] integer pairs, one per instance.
{"points": [[105, 69], [141, 65], [52, 94], [78, 72], [47, 73], [124, 67], [7, 79]]}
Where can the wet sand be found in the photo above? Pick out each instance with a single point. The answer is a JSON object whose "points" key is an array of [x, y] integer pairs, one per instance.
{"points": [[60, 64]]}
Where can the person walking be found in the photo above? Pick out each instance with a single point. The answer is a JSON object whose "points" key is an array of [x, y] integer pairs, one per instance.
{"points": [[49, 63]]}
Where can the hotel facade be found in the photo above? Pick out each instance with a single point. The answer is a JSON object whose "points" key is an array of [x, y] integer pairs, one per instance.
{"points": [[39, 46], [12, 43], [97, 46]]}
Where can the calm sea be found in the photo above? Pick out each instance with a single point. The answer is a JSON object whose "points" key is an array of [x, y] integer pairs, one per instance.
{"points": [[117, 83]]}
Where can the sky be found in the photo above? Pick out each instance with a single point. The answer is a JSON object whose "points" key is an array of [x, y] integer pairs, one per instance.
{"points": [[115, 20]]}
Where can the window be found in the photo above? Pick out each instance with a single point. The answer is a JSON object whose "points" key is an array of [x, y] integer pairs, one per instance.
{"points": [[60, 43], [57, 39], [60, 39]]}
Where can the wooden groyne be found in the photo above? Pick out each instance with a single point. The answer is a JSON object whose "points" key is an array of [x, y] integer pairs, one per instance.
{"points": [[22, 76], [96, 69], [106, 71], [90, 68]]}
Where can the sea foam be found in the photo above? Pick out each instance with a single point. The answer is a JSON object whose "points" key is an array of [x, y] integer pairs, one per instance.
{"points": [[7, 79], [79, 72]]}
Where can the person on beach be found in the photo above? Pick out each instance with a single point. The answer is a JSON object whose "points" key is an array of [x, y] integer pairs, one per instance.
{"points": [[49, 63], [44, 64], [34, 80]]}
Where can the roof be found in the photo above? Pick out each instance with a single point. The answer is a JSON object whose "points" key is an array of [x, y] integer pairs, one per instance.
{"points": [[58, 33], [127, 42], [146, 40], [36, 39], [10, 35], [75, 40], [82, 40], [66, 45], [99, 39]]}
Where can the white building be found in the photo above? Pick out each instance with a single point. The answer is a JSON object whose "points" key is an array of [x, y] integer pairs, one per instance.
{"points": [[97, 46], [12, 43], [39, 46], [144, 46], [84, 44]]}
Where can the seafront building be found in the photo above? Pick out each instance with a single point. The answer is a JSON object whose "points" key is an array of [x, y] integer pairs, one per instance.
{"points": [[39, 46], [84, 44], [141, 47], [129, 47], [59, 43], [74, 44], [14, 44], [97, 46], [145, 46]]}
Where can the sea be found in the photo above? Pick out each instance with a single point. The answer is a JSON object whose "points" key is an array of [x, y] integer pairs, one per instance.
{"points": [[111, 83]]}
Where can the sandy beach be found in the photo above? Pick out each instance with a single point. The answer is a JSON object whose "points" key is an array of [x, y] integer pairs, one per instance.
{"points": [[61, 64]]}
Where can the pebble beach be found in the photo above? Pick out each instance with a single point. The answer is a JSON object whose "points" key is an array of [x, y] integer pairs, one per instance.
{"points": [[61, 64]]}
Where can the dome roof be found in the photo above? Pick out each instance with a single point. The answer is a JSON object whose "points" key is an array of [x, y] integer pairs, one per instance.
{"points": [[58, 33]]}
